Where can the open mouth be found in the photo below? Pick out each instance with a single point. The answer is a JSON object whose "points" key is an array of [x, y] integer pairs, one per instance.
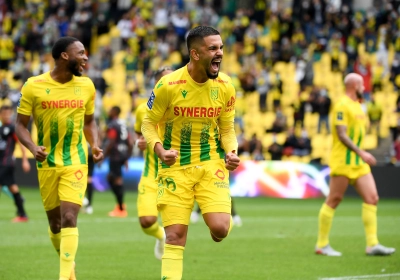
{"points": [[81, 67], [215, 64]]}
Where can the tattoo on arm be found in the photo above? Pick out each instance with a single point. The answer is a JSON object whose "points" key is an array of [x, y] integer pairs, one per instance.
{"points": [[341, 131]]}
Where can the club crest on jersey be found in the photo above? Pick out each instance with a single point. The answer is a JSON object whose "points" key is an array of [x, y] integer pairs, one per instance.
{"points": [[339, 116], [151, 100], [214, 93], [77, 91]]}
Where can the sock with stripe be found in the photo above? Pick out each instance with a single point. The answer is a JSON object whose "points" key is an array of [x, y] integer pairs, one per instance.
{"points": [[324, 225], [172, 262]]}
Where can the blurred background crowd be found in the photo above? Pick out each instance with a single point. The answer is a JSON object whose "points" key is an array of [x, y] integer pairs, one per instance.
{"points": [[287, 60]]}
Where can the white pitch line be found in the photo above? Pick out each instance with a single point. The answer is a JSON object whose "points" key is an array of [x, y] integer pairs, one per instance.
{"points": [[361, 277]]}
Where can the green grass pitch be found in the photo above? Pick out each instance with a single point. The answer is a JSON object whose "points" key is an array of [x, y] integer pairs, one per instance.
{"points": [[275, 242]]}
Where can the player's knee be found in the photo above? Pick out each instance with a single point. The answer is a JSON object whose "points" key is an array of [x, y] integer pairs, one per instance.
{"points": [[372, 199], [69, 220], [220, 230], [175, 238], [13, 188], [148, 221], [334, 200], [55, 226]]}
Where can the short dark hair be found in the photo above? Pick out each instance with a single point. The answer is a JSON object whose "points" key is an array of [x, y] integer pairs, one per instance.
{"points": [[160, 70], [5, 107], [116, 109], [198, 33], [61, 45]]}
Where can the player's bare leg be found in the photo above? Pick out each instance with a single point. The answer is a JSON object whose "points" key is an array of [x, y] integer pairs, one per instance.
{"points": [[338, 186], [172, 260], [220, 225], [366, 187], [151, 227]]}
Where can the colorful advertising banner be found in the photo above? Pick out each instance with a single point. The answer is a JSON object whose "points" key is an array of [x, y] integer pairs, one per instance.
{"points": [[280, 179]]}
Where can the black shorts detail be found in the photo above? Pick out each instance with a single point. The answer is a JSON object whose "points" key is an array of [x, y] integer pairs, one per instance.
{"points": [[7, 176]]}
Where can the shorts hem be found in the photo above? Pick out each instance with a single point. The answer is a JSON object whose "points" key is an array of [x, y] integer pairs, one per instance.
{"points": [[216, 208]]}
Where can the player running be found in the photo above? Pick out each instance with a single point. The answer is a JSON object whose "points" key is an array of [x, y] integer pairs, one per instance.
{"points": [[62, 105], [147, 188], [350, 165], [194, 108], [8, 139]]}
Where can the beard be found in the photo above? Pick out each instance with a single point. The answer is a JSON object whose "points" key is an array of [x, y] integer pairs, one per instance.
{"points": [[74, 67], [359, 94], [212, 76]]}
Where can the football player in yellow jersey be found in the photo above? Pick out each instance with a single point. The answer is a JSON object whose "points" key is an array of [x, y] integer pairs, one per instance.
{"points": [[147, 188], [194, 109], [62, 105], [350, 164]]}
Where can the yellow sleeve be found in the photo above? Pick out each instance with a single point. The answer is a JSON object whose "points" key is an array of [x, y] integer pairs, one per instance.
{"points": [[90, 104], [25, 103], [156, 107], [340, 116], [226, 121], [139, 115]]}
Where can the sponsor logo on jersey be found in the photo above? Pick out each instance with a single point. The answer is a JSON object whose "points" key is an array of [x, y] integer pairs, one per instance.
{"points": [[40, 81], [340, 116], [160, 84], [61, 104], [184, 93], [47, 90], [214, 93], [151, 100], [178, 82], [197, 112], [230, 106], [220, 81]]}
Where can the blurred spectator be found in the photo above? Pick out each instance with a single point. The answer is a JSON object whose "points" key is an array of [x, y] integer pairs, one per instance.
{"points": [[396, 147], [323, 109], [378, 73], [364, 69], [243, 144], [280, 122], [255, 148], [275, 150], [395, 73], [262, 87], [297, 146], [125, 28], [6, 51], [374, 111], [180, 22], [161, 20]]}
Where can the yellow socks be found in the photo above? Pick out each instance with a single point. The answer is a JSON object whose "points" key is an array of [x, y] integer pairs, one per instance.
{"points": [[55, 239], [324, 225], [370, 223], [172, 262], [154, 230], [68, 248]]}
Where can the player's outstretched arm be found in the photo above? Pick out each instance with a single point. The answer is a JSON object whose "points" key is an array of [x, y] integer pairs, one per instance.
{"points": [[92, 136], [365, 156], [25, 138]]}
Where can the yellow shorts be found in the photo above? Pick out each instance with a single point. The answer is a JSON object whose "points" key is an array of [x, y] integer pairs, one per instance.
{"points": [[208, 183], [63, 184], [147, 197], [353, 173]]}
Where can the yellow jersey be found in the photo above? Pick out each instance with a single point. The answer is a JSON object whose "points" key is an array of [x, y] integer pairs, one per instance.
{"points": [[190, 117], [150, 158], [59, 111], [348, 113]]}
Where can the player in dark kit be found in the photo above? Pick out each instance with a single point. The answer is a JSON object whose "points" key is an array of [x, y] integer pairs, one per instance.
{"points": [[8, 139], [118, 150]]}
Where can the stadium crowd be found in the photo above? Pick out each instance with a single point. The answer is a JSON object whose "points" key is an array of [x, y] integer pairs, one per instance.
{"points": [[287, 61]]}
